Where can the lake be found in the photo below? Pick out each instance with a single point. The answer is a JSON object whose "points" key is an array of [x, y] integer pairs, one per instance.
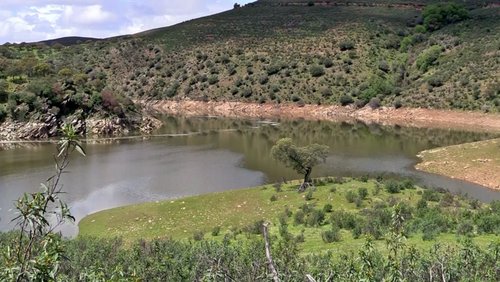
{"points": [[206, 154]]}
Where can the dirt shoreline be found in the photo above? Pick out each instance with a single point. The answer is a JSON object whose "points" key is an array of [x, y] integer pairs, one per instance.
{"points": [[413, 117], [476, 162]]}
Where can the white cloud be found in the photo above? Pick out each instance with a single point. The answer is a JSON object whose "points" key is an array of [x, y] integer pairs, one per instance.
{"points": [[88, 15], [35, 20]]}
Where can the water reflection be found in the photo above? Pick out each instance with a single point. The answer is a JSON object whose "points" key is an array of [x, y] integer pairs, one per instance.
{"points": [[224, 154]]}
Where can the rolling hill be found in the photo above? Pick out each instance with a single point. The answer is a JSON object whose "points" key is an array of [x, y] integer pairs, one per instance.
{"points": [[392, 53]]}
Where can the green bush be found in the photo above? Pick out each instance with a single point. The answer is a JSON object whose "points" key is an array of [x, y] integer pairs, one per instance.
{"points": [[317, 71], [327, 62], [362, 193], [3, 113], [273, 198], [346, 45], [327, 208], [332, 235], [428, 57], [350, 196], [216, 231], [392, 187], [273, 69], [438, 15], [326, 92], [431, 195], [298, 217], [398, 103], [344, 219], [315, 218], [465, 228], [346, 100], [198, 235], [213, 79], [263, 79], [309, 195]]}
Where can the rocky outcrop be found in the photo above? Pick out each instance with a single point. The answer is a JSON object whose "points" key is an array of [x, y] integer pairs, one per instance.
{"points": [[50, 125]]}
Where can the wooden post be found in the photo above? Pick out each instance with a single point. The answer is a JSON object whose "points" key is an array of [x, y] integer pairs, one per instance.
{"points": [[270, 262]]}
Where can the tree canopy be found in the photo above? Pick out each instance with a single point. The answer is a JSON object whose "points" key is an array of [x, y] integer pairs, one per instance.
{"points": [[300, 159]]}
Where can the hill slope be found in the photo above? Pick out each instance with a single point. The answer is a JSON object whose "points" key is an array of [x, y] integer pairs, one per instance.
{"points": [[319, 52]]}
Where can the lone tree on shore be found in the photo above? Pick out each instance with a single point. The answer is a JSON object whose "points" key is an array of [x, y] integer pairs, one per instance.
{"points": [[300, 159]]}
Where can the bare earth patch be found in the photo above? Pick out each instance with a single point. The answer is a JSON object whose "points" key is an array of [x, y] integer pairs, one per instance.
{"points": [[477, 162], [424, 118]]}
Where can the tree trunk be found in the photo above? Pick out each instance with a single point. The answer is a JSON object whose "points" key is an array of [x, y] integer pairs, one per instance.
{"points": [[307, 180], [307, 176]]}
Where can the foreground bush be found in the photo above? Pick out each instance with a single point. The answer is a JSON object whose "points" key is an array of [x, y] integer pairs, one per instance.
{"points": [[92, 259]]}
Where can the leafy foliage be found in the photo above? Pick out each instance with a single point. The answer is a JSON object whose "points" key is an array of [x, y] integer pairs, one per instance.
{"points": [[300, 159]]}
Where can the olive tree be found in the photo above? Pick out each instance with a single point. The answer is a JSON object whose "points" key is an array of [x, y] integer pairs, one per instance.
{"points": [[300, 159]]}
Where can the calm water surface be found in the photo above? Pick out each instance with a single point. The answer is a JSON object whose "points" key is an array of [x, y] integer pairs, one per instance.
{"points": [[214, 154]]}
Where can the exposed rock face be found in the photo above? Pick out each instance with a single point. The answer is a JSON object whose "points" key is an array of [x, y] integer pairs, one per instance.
{"points": [[50, 125]]}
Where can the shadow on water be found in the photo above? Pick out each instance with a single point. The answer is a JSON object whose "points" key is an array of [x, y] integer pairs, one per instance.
{"points": [[223, 154]]}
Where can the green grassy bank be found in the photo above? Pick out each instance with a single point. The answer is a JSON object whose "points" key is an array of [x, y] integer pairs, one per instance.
{"points": [[337, 214]]}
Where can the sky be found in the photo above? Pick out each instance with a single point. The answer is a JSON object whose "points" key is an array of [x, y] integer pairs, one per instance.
{"points": [[36, 20]]}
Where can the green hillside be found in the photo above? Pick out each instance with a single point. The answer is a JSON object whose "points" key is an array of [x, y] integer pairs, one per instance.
{"points": [[394, 53]]}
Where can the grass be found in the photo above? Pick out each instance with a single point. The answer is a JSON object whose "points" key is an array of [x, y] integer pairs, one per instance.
{"points": [[477, 162], [235, 210]]}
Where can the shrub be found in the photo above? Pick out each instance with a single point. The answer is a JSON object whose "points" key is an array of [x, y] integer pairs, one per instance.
{"points": [[346, 100], [198, 235], [397, 103], [273, 69], [429, 234], [421, 204], [332, 235], [263, 79], [327, 62], [315, 218], [3, 113], [317, 71], [216, 231], [350, 196], [363, 193], [300, 238], [298, 218], [344, 219], [465, 228], [438, 15], [384, 66], [431, 195], [327, 208], [255, 227], [326, 92], [277, 187], [420, 29], [392, 187], [374, 103], [309, 195], [435, 81], [428, 57], [273, 198], [213, 79], [346, 45], [246, 93]]}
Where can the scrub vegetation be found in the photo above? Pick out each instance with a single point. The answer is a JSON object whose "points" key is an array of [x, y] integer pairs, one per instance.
{"points": [[382, 53]]}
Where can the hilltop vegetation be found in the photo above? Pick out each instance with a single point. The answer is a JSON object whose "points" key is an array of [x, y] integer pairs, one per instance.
{"points": [[341, 52]]}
